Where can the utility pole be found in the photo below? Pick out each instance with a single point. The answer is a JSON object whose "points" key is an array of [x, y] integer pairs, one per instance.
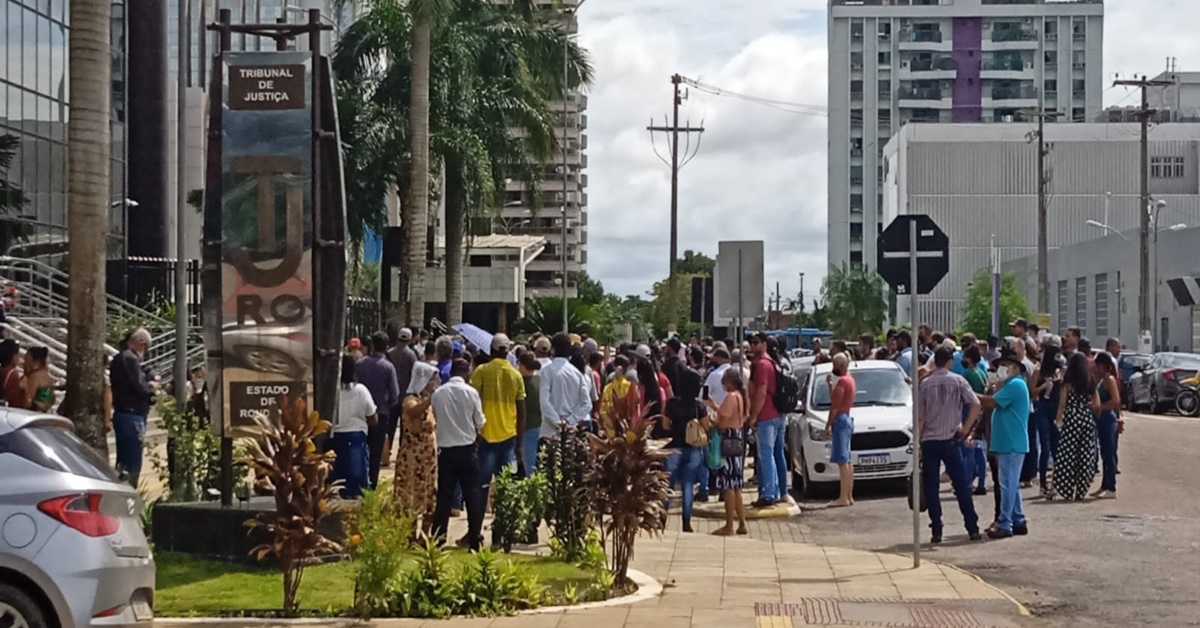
{"points": [[1043, 200], [1144, 324], [673, 132]]}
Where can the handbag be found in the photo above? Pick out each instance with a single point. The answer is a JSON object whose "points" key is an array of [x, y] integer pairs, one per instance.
{"points": [[712, 454], [696, 435], [733, 447]]}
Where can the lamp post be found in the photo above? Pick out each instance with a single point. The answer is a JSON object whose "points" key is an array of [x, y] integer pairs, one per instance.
{"points": [[1156, 325]]}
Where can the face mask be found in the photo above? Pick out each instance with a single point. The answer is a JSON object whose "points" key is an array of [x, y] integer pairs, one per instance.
{"points": [[1002, 371], [198, 383]]}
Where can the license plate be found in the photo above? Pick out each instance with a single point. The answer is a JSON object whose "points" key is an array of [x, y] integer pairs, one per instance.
{"points": [[874, 460], [142, 610]]}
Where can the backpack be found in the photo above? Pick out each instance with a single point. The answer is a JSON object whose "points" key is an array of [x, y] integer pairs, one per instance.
{"points": [[787, 391]]}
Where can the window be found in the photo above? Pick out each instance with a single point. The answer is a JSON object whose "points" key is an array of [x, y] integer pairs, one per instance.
{"points": [[885, 117], [885, 58], [856, 202], [885, 30], [856, 232], [1102, 305], [885, 88], [856, 60], [1051, 29], [1079, 59], [1081, 304], [856, 259], [1050, 88], [856, 89], [1062, 305], [1079, 28], [856, 29], [856, 175], [1078, 114], [1167, 167], [1051, 58]]}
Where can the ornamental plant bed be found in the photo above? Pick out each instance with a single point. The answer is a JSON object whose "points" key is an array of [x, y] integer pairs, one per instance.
{"points": [[191, 587]]}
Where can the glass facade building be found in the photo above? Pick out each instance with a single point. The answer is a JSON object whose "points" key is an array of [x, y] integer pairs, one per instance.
{"points": [[35, 108]]}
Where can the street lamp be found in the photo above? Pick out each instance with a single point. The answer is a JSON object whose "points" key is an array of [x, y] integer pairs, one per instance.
{"points": [[1158, 207], [570, 13], [1100, 225]]}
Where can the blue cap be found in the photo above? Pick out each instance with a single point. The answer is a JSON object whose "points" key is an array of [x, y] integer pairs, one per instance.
{"points": [[458, 347]]}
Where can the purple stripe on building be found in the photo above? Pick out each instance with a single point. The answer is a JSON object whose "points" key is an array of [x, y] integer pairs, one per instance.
{"points": [[968, 59]]}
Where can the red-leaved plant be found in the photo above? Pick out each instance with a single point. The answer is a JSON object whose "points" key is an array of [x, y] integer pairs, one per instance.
{"points": [[628, 481], [286, 463]]}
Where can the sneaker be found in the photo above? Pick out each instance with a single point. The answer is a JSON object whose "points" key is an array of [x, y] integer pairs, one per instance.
{"points": [[702, 498], [999, 533], [935, 538], [980, 490], [1021, 530], [975, 536], [1106, 495], [762, 503]]}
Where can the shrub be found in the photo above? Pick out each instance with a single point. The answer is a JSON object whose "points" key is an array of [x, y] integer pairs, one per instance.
{"points": [[628, 483], [378, 543], [196, 454], [287, 463], [428, 591], [567, 462], [494, 586], [518, 508]]}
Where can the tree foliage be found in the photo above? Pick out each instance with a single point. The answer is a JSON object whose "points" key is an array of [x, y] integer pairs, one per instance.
{"points": [[694, 263], [659, 315], [977, 315], [855, 301], [590, 291]]}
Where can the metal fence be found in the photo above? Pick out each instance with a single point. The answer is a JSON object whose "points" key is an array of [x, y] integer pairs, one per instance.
{"points": [[363, 318], [147, 280]]}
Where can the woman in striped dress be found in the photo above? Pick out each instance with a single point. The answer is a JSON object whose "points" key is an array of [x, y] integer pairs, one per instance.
{"points": [[731, 418]]}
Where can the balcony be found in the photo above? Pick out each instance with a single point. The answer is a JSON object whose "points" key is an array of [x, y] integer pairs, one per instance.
{"points": [[1004, 35], [932, 65], [1014, 93], [921, 95], [1078, 95], [1008, 64], [922, 40]]}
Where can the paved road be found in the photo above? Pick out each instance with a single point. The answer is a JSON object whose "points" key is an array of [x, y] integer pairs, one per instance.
{"points": [[1130, 561]]}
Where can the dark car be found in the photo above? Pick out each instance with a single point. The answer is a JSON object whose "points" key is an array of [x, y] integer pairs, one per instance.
{"points": [[1128, 364], [1155, 385]]}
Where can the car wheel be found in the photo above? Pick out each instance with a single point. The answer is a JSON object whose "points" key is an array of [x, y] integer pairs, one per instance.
{"points": [[18, 609], [1156, 406]]}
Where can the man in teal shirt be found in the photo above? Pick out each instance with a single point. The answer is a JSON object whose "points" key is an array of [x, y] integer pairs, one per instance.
{"points": [[1010, 441]]}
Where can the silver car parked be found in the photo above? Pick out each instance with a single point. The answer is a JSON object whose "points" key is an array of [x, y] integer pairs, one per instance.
{"points": [[72, 550]]}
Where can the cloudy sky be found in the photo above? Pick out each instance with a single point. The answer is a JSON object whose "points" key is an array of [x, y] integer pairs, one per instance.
{"points": [[760, 172]]}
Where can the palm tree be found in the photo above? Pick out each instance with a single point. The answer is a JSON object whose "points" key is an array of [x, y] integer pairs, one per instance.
{"points": [[492, 117], [88, 196], [12, 198], [854, 301]]}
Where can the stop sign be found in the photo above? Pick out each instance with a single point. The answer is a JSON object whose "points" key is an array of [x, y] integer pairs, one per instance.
{"points": [[895, 254]]}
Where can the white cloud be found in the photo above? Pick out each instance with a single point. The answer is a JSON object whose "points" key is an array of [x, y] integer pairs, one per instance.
{"points": [[760, 172]]}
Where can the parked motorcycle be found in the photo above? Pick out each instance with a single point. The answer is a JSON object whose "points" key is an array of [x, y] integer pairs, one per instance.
{"points": [[1187, 401]]}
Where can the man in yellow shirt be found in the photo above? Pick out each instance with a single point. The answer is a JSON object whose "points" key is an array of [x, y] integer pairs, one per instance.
{"points": [[502, 391]]}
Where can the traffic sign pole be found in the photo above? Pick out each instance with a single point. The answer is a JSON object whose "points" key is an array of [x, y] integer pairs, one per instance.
{"points": [[916, 391]]}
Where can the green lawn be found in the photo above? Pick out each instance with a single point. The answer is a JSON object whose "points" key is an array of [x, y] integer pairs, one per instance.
{"points": [[190, 587]]}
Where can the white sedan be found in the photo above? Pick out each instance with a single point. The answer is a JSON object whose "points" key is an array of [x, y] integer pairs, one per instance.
{"points": [[881, 445]]}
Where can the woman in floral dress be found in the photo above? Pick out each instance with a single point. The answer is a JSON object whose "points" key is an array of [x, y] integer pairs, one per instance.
{"points": [[415, 488], [1075, 465], [731, 417]]}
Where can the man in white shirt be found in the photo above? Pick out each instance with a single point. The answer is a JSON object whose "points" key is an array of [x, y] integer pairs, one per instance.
{"points": [[716, 390], [459, 414], [564, 391]]}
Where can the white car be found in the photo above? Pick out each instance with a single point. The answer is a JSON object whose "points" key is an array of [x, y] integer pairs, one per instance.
{"points": [[881, 445]]}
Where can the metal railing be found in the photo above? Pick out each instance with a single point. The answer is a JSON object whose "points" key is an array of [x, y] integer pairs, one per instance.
{"points": [[39, 316]]}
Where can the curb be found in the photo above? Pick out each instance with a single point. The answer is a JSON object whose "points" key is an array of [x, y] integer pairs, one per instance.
{"points": [[1021, 608], [647, 588]]}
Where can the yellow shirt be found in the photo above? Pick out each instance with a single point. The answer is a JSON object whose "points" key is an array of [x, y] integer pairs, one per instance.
{"points": [[616, 389], [500, 387]]}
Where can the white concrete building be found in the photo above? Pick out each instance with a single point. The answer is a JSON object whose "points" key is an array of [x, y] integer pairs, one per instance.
{"points": [[980, 180], [892, 62], [564, 182]]}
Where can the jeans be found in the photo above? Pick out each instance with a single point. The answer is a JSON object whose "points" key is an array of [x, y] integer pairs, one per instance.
{"points": [[376, 442], [1106, 428], [1047, 437], [974, 459], [935, 453], [351, 465], [1011, 513], [684, 466], [772, 461], [493, 457], [704, 478], [129, 430], [1029, 465], [458, 468], [529, 451]]}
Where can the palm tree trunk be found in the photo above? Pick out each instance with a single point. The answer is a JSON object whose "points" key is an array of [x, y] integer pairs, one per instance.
{"points": [[416, 212], [456, 218], [88, 148]]}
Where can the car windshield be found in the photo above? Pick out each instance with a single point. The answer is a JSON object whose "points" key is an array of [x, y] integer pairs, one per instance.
{"points": [[876, 387], [59, 449], [1180, 360]]}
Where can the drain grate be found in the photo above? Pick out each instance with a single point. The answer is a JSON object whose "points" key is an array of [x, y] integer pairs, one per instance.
{"points": [[895, 613]]}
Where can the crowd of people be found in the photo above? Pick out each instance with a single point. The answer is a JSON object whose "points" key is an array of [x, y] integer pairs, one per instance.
{"points": [[1033, 407], [449, 416]]}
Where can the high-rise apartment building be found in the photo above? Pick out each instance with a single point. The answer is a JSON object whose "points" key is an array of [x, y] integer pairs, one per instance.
{"points": [[35, 106], [565, 184], [892, 62]]}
